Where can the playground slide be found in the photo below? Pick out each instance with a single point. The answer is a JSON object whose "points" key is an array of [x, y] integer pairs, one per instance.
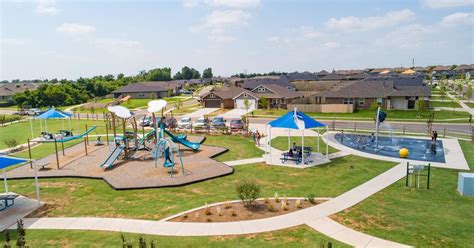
{"points": [[112, 157], [182, 140]]}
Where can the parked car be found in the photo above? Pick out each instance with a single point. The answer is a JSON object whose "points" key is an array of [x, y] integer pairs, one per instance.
{"points": [[218, 122], [185, 92], [145, 121], [201, 123], [237, 124], [185, 123], [34, 111]]}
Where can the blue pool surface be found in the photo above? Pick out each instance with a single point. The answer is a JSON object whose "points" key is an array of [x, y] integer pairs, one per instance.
{"points": [[420, 149]]}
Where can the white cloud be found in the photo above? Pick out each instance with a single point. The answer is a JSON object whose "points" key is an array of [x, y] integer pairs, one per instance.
{"points": [[239, 4], [458, 19], [75, 28], [437, 4], [332, 45], [407, 37], [353, 23], [219, 22], [46, 7], [221, 38], [309, 32], [118, 46], [13, 42]]}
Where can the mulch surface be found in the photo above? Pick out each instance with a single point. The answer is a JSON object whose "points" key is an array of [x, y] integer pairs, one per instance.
{"points": [[236, 211]]}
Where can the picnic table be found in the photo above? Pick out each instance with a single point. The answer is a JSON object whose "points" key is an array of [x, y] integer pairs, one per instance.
{"points": [[290, 156], [7, 201], [307, 149]]}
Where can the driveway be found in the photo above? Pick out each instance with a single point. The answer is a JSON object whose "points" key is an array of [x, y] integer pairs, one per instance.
{"points": [[235, 113], [200, 112]]}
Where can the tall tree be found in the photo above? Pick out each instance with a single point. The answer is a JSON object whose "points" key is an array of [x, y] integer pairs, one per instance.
{"points": [[207, 73]]}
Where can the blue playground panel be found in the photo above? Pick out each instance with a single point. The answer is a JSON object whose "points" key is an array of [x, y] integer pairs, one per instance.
{"points": [[466, 183], [419, 149]]}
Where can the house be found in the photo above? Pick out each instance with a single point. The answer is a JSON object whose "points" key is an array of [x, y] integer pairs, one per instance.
{"points": [[251, 83], [8, 90], [363, 94], [153, 89], [301, 77], [378, 70], [278, 96], [222, 97]]}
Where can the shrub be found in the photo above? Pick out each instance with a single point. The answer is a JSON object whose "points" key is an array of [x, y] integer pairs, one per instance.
{"points": [[227, 205], [284, 206], [207, 210], [310, 197], [277, 198], [219, 211], [233, 213], [298, 203], [11, 142], [248, 192], [271, 208], [266, 200]]}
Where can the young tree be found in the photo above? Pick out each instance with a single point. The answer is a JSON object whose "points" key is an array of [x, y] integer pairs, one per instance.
{"points": [[179, 104], [469, 93], [264, 102], [421, 105]]}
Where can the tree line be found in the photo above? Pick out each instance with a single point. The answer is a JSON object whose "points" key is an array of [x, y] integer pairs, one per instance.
{"points": [[65, 92]]}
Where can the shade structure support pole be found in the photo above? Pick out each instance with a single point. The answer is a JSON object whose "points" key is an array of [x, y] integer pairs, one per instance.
{"points": [[31, 127], [318, 138], [270, 144], [327, 146], [46, 124], [5, 180], [70, 129], [56, 150], [29, 154], [302, 147], [62, 122], [37, 186], [41, 125], [289, 143]]}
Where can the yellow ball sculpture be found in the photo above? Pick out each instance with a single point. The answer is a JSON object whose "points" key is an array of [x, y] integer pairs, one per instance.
{"points": [[403, 153]]}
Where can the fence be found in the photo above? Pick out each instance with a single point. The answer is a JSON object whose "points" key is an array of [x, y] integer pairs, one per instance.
{"points": [[404, 129], [323, 108]]}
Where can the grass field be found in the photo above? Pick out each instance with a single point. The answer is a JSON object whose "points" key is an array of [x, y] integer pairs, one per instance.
{"points": [[22, 131], [392, 115], [448, 104], [470, 104], [239, 147], [8, 118], [301, 236], [73, 197], [281, 143], [425, 218]]}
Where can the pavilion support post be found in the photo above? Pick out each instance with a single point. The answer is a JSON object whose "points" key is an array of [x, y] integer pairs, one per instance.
{"points": [[37, 187], [56, 150], [113, 126], [270, 143], [289, 143], [5, 180], [29, 154], [327, 146], [62, 148], [31, 128], [318, 139], [302, 147]]}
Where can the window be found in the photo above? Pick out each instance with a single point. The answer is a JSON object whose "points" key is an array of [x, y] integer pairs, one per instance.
{"points": [[348, 100], [212, 96], [261, 89], [379, 100], [141, 94], [361, 101], [245, 95]]}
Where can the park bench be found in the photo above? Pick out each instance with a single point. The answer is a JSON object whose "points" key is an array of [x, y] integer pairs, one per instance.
{"points": [[7, 201]]}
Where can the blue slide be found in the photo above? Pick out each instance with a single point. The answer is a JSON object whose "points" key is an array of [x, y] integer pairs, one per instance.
{"points": [[182, 140], [112, 157]]}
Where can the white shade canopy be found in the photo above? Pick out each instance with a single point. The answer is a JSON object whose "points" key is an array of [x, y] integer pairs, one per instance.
{"points": [[120, 111], [156, 105]]}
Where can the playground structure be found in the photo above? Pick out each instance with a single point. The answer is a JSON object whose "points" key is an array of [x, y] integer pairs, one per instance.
{"points": [[418, 171], [155, 142]]}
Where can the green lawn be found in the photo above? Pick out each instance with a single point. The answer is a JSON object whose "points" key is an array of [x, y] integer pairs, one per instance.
{"points": [[470, 104], [73, 197], [239, 147], [281, 143], [301, 236], [392, 115], [140, 103], [21, 131], [437, 217], [8, 118], [445, 98], [187, 109], [449, 104]]}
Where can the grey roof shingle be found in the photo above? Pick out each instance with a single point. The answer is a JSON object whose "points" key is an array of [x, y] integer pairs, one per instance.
{"points": [[152, 86]]}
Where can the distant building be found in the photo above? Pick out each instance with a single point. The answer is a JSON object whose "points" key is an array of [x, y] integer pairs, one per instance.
{"points": [[152, 89], [7, 91]]}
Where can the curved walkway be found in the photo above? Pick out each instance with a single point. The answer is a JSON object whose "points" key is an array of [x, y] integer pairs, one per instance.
{"points": [[315, 217]]}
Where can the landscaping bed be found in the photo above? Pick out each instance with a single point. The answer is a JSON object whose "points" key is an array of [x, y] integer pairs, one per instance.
{"points": [[237, 211]]}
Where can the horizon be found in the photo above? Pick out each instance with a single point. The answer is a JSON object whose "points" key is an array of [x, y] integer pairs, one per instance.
{"points": [[55, 39]]}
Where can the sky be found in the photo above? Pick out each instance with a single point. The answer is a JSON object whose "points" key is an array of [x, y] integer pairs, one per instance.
{"points": [[47, 39]]}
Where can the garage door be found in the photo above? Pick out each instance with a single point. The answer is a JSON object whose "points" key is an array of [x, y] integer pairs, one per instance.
{"points": [[212, 103], [240, 103]]}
